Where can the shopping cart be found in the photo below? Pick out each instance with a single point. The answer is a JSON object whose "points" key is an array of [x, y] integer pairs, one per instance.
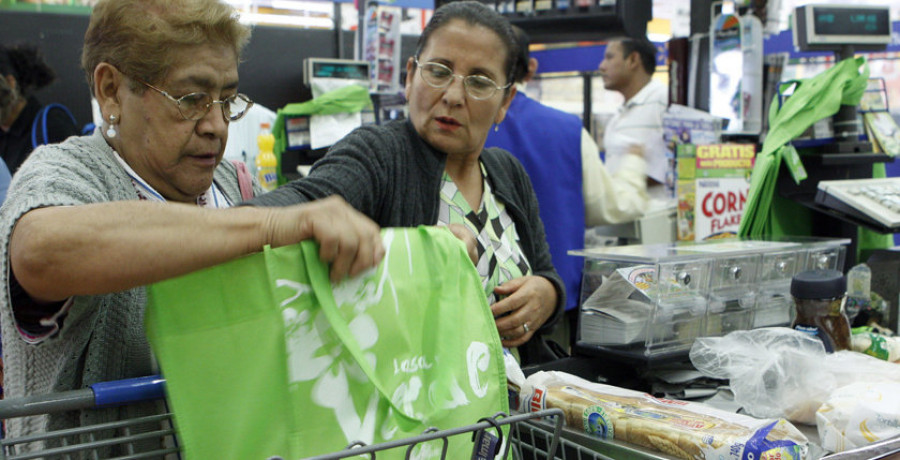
{"points": [[125, 437], [532, 436]]}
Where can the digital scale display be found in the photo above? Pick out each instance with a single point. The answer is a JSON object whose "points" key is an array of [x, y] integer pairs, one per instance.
{"points": [[352, 71], [335, 69], [833, 27], [844, 21]]}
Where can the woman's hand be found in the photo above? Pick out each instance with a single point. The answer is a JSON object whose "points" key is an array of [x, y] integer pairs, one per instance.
{"points": [[530, 301], [460, 231], [348, 240]]}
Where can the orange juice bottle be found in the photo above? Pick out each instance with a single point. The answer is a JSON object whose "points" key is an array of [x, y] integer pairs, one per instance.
{"points": [[266, 162]]}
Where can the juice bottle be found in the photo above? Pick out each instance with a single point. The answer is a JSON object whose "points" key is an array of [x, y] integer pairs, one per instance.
{"points": [[266, 162]]}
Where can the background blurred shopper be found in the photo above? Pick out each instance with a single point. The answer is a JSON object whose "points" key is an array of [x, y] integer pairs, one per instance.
{"points": [[628, 67], [433, 169], [23, 122], [91, 220], [573, 188]]}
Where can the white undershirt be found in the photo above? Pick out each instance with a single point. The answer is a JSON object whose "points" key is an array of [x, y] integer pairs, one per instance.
{"points": [[212, 198]]}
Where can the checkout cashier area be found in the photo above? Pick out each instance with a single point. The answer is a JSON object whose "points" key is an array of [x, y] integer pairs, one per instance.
{"points": [[680, 318]]}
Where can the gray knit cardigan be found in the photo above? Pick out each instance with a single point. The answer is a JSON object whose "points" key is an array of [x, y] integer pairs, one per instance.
{"points": [[103, 335]]}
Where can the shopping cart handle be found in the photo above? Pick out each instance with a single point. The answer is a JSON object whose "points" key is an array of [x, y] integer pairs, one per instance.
{"points": [[126, 391]]}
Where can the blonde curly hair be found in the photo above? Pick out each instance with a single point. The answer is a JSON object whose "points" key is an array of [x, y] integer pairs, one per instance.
{"points": [[142, 38]]}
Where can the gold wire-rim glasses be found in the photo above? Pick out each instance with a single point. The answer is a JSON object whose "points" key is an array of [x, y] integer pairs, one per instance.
{"points": [[201, 108], [475, 85]]}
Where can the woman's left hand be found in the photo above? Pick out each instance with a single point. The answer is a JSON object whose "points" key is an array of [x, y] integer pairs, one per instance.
{"points": [[530, 301]]}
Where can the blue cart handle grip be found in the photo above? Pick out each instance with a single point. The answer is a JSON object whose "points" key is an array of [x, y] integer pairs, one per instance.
{"points": [[120, 392]]}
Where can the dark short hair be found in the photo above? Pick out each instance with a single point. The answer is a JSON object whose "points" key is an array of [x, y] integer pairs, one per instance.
{"points": [[474, 13], [644, 48], [522, 55], [26, 63]]}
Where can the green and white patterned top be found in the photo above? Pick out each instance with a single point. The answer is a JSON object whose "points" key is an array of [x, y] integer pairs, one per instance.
{"points": [[500, 257]]}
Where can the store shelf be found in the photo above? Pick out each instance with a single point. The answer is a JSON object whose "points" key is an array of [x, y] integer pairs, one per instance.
{"points": [[45, 8], [596, 23]]}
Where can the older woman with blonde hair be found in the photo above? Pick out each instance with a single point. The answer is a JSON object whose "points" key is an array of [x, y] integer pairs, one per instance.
{"points": [[90, 221]]}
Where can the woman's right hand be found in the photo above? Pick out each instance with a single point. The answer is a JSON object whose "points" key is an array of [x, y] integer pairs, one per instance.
{"points": [[348, 240], [460, 231]]}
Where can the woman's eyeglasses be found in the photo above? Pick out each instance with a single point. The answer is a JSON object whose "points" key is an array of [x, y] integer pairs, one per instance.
{"points": [[440, 76], [195, 106]]}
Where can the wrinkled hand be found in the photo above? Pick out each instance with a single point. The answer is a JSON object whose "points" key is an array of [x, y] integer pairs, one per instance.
{"points": [[463, 233], [348, 239], [530, 300]]}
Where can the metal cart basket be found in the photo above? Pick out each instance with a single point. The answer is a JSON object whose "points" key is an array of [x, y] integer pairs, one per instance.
{"points": [[99, 440], [532, 436]]}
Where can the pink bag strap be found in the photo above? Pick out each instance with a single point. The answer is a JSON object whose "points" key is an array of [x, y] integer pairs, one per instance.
{"points": [[244, 181]]}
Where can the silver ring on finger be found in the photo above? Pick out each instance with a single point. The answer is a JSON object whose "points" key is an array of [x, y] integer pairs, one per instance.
{"points": [[525, 326]]}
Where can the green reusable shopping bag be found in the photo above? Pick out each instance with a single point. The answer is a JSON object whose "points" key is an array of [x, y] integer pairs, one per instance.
{"points": [[264, 357], [346, 99], [768, 214]]}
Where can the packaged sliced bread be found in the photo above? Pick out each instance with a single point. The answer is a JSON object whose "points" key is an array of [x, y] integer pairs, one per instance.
{"points": [[680, 429]]}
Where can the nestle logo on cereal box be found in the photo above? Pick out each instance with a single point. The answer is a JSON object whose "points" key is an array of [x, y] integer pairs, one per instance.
{"points": [[721, 204]]}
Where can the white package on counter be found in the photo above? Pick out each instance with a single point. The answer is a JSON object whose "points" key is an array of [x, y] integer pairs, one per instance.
{"points": [[859, 414]]}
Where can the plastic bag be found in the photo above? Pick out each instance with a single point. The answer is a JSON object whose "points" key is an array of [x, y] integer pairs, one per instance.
{"points": [[874, 344], [780, 372]]}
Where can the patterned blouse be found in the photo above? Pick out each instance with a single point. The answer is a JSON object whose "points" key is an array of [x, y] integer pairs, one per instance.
{"points": [[500, 257]]}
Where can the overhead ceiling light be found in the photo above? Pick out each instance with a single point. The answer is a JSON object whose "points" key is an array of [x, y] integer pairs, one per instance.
{"points": [[300, 5], [287, 20]]}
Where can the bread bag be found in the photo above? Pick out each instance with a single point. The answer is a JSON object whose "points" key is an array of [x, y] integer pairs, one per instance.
{"points": [[680, 429]]}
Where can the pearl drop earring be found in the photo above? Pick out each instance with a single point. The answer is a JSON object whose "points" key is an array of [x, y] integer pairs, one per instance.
{"points": [[497, 128], [111, 130]]}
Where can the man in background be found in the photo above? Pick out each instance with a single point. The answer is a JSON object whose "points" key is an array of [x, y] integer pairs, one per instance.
{"points": [[627, 67], [573, 188]]}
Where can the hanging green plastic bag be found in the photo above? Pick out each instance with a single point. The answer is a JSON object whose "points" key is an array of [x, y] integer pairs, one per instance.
{"points": [[813, 99], [264, 357], [768, 214], [346, 99]]}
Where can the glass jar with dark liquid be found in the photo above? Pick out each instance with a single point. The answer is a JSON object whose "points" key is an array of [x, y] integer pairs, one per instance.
{"points": [[819, 300]]}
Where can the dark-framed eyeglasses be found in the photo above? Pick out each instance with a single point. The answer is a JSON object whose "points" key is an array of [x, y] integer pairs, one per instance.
{"points": [[440, 76], [195, 106]]}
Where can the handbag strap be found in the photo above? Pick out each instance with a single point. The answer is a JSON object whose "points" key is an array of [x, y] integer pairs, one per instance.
{"points": [[244, 181], [41, 120], [318, 277]]}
